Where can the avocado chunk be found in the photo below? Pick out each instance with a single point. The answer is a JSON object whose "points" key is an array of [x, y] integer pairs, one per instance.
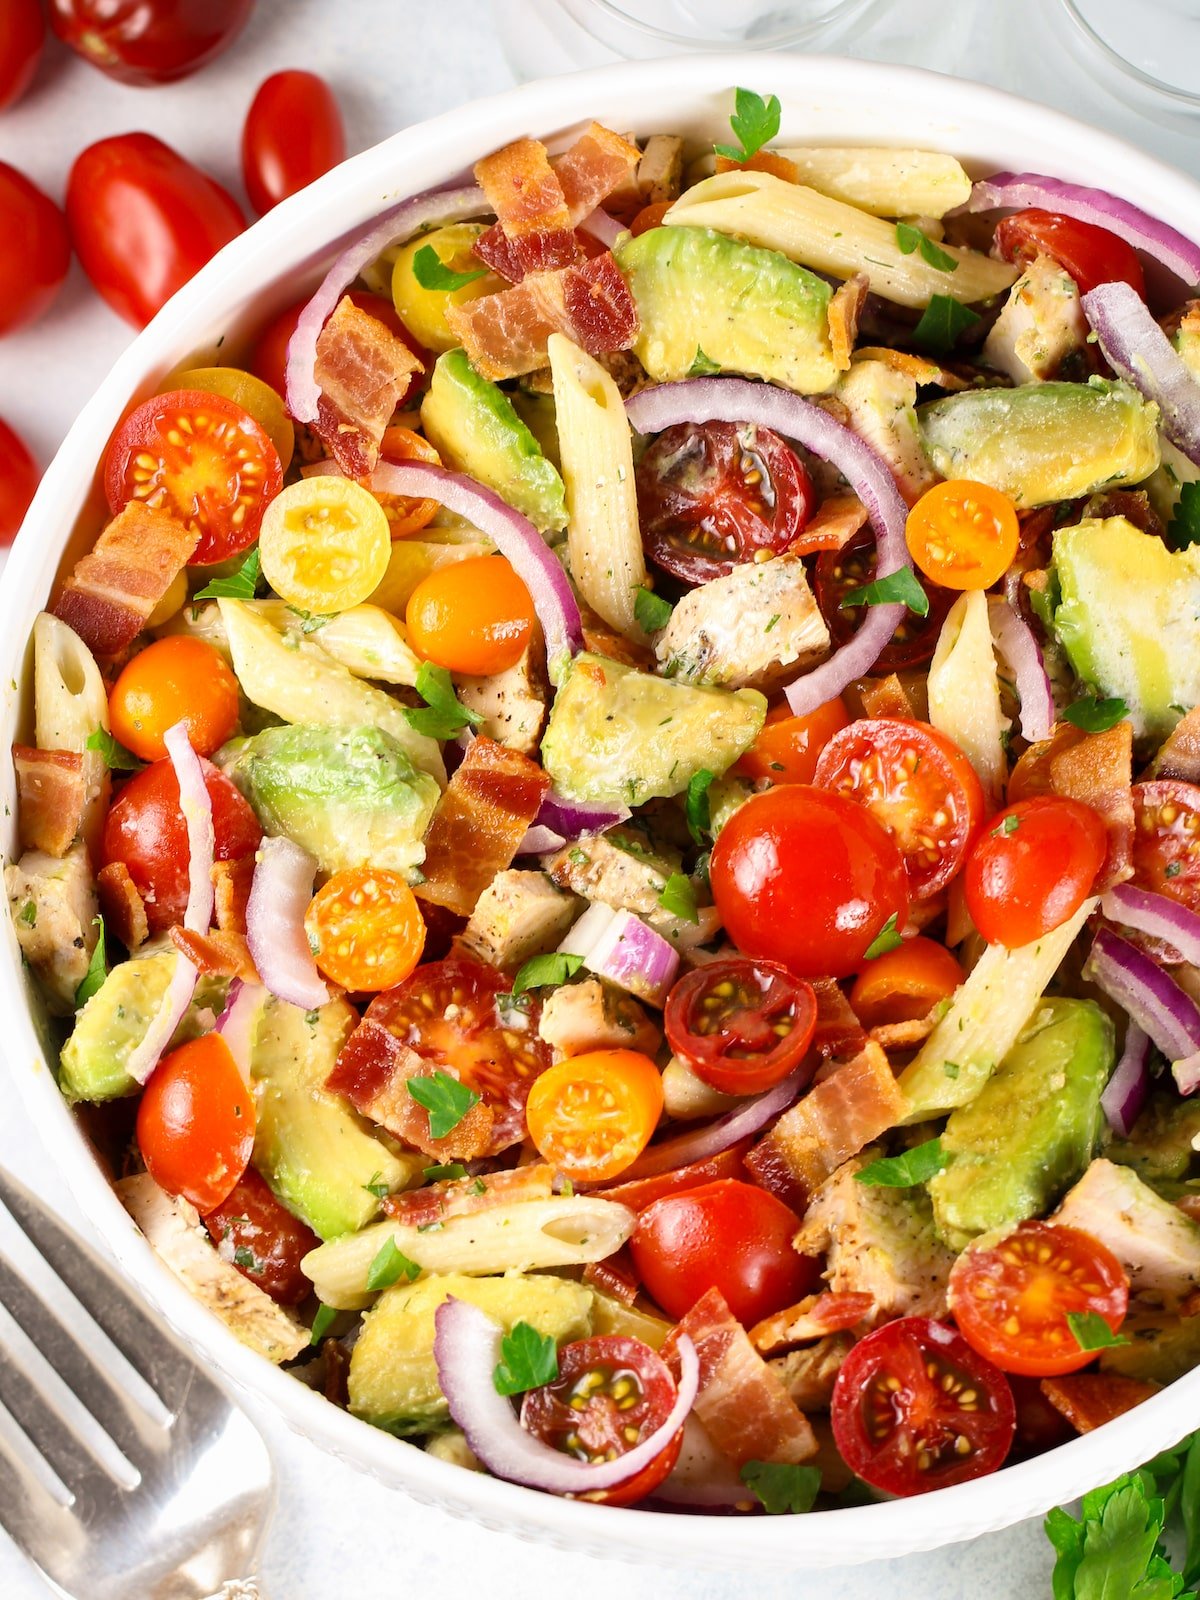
{"points": [[1129, 618], [619, 736], [1032, 1128], [393, 1378], [1161, 1348], [708, 302], [350, 796], [474, 427], [1159, 1147], [1044, 442]]}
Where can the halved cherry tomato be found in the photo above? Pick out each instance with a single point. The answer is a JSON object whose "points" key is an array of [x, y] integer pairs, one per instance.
{"points": [[1011, 1300], [807, 878], [203, 460], [592, 1116], [963, 535], [22, 36], [905, 984], [177, 679], [268, 358], [1166, 839], [471, 616], [1091, 255], [918, 784], [423, 310], [916, 1408], [741, 1025], [148, 41], [713, 494], [730, 1236], [262, 1238], [195, 1122], [35, 250], [1032, 867], [638, 1193], [404, 514], [324, 544], [365, 929], [253, 395], [852, 567], [610, 1394], [650, 217], [293, 133], [19, 477], [787, 746]]}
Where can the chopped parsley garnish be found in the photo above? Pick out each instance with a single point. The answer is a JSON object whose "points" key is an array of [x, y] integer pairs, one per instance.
{"points": [[906, 1170], [528, 1359], [28, 914], [781, 1487], [702, 366], [446, 1100], [116, 757], [578, 857], [699, 819], [310, 621], [239, 585], [541, 971], [479, 1187], [443, 714], [909, 239], [899, 586], [448, 1169], [886, 939], [1007, 827], [431, 272], [1092, 1332], [1115, 1547], [942, 324], [651, 612], [324, 1320], [97, 970], [246, 1260], [1184, 527], [755, 122], [390, 1265], [375, 1187], [678, 898], [1094, 715]]}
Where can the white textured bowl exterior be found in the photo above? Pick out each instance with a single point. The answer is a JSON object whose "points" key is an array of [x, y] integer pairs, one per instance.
{"points": [[825, 100]]}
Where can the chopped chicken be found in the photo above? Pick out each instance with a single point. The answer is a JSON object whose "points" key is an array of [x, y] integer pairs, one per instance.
{"points": [[687, 1097], [512, 704], [518, 915], [619, 867], [1041, 324], [660, 171], [881, 405], [54, 909], [809, 1374], [1154, 1241], [593, 1016]]}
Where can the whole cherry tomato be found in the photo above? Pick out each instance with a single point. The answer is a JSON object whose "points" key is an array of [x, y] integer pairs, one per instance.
{"points": [[148, 41], [471, 616], [1032, 867], [22, 36], [18, 480], [35, 250], [268, 359], [263, 1239], [787, 747], [172, 680], [195, 1122], [293, 134], [1091, 255], [144, 220]]}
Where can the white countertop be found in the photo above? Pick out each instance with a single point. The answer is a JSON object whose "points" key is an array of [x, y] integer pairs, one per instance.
{"points": [[336, 1535]]}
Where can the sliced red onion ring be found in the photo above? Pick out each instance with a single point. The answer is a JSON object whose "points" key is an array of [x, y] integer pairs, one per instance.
{"points": [[171, 1012], [603, 227], [1019, 191], [1153, 999], [279, 895], [1135, 346], [431, 209], [1157, 915], [539, 841], [1018, 649], [238, 1023], [196, 805], [619, 946], [1126, 1091], [739, 400], [574, 818], [466, 1348]]}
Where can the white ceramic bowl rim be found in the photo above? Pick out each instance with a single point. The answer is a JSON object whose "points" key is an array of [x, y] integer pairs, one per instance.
{"points": [[826, 100]]}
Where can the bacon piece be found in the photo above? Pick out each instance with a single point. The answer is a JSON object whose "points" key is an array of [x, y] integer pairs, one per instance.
{"points": [[231, 892], [919, 368], [834, 523], [217, 955], [363, 371], [838, 1031], [887, 697], [485, 812], [763, 161], [597, 163], [845, 308], [1090, 1399], [115, 587], [639, 1193], [122, 906], [616, 1275], [460, 1197], [814, 1317], [1095, 768], [50, 798], [1179, 754], [906, 1035]]}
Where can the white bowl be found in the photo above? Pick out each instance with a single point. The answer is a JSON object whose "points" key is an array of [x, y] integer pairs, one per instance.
{"points": [[825, 100]]}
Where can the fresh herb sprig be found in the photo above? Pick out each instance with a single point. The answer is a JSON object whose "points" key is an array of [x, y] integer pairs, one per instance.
{"points": [[446, 1100], [906, 1170], [909, 239], [900, 586], [239, 585], [755, 122], [443, 714], [431, 272], [528, 1359]]}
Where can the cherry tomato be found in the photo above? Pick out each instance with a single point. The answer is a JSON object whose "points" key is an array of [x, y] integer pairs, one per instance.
{"points": [[195, 1122], [787, 747], [1166, 839], [916, 1408], [263, 1239], [741, 1025], [268, 359], [610, 1394], [293, 134], [1011, 1300], [919, 785], [592, 1116], [19, 477], [148, 41], [852, 567], [144, 220], [252, 395], [904, 984], [178, 679], [471, 616], [145, 829], [1091, 255], [404, 514], [712, 494], [201, 458], [797, 847], [365, 929], [22, 36], [324, 544], [650, 216], [1032, 867], [35, 250], [963, 535], [727, 1235]]}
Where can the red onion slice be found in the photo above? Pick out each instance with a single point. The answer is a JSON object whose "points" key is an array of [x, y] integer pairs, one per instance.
{"points": [[739, 400], [603, 227], [574, 818], [171, 1012], [238, 1023], [196, 805], [1153, 999], [540, 841], [279, 895], [1157, 915], [1126, 1091], [619, 946], [466, 1348], [1135, 346], [1018, 649]]}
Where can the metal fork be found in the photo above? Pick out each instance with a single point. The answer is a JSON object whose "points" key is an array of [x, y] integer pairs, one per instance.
{"points": [[164, 1485]]}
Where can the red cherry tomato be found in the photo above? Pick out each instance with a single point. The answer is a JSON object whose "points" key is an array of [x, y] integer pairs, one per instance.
{"points": [[19, 477], [195, 1122], [741, 1025], [1166, 839], [293, 134], [35, 250], [145, 829], [144, 220], [1032, 867], [915, 1408], [148, 41], [852, 567], [22, 36], [712, 494], [727, 1235], [263, 1239], [787, 747], [610, 1394], [904, 983], [1091, 255], [268, 359], [807, 878]]}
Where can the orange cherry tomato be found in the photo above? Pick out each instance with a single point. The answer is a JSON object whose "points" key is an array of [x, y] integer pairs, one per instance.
{"points": [[905, 984], [406, 515], [592, 1116], [176, 679], [471, 616], [963, 535], [195, 1123], [650, 216], [365, 929], [787, 747], [1032, 868]]}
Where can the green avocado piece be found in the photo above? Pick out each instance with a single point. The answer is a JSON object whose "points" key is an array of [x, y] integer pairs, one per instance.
{"points": [[619, 736], [474, 427], [1045, 441], [1161, 1348], [393, 1379], [711, 303], [1031, 1130], [1159, 1147]]}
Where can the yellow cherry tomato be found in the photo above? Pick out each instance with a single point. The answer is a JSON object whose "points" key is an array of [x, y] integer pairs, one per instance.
{"points": [[365, 929], [423, 311], [253, 395], [324, 544], [963, 535], [592, 1116], [177, 679], [471, 616]]}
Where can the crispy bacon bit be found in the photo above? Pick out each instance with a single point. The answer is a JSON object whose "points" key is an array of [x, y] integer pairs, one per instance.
{"points": [[363, 371], [887, 697], [763, 161], [122, 906], [844, 310], [814, 1317], [602, 640], [597, 163], [906, 1035], [1179, 754], [834, 523], [919, 368], [1095, 768], [459, 1197], [50, 798], [115, 587], [231, 892], [838, 1031], [516, 259], [217, 955], [1090, 1399], [479, 823], [616, 1275]]}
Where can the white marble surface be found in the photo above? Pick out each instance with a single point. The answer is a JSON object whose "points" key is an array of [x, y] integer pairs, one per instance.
{"points": [[336, 1535]]}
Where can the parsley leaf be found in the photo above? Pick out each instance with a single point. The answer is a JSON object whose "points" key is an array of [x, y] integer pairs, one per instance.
{"points": [[755, 122], [678, 897], [781, 1487], [431, 272], [702, 366], [239, 585], [909, 239], [1184, 527], [97, 970], [389, 1265], [443, 714], [1094, 715], [245, 1259], [375, 1187], [942, 324], [1007, 827], [325, 1318], [116, 757], [528, 1359], [901, 585], [28, 914], [886, 939], [446, 1100], [651, 612], [1113, 1547], [1092, 1332], [541, 971], [699, 820], [310, 621], [448, 1169], [906, 1170]]}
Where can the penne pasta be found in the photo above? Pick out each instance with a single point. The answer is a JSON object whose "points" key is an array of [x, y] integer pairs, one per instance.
{"points": [[366, 640], [888, 183], [964, 692], [70, 704]]}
